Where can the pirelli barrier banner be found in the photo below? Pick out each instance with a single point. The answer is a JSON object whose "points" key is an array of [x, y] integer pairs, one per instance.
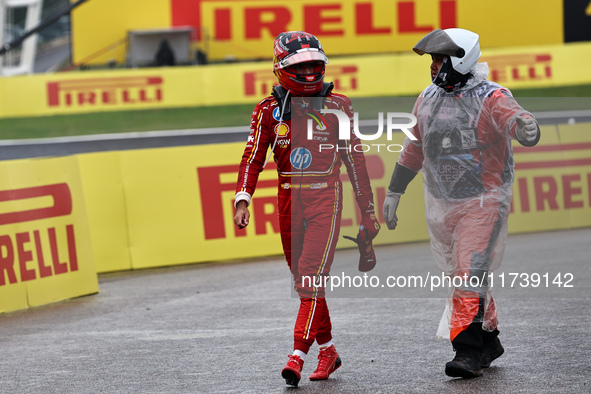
{"points": [[386, 75], [245, 29], [552, 187], [179, 201], [168, 206], [45, 249]]}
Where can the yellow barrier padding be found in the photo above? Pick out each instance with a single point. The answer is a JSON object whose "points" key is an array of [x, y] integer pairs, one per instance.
{"points": [[45, 250], [180, 206], [247, 83], [107, 210], [553, 181], [245, 29], [14, 297]]}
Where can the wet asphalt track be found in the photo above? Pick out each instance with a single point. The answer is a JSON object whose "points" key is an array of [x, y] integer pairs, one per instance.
{"points": [[228, 328]]}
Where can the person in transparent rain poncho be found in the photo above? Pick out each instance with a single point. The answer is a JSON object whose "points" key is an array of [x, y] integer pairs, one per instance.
{"points": [[465, 124]]}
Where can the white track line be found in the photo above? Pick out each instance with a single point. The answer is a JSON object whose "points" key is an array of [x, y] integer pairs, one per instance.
{"points": [[123, 136], [218, 130]]}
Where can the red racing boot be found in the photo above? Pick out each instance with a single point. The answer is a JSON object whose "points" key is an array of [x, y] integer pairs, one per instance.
{"points": [[328, 362], [292, 373]]}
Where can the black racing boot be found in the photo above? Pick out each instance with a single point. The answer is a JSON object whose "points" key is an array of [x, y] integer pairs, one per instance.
{"points": [[466, 364], [492, 348]]}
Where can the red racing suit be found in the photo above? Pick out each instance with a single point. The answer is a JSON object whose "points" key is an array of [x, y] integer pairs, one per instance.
{"points": [[309, 194], [464, 149]]}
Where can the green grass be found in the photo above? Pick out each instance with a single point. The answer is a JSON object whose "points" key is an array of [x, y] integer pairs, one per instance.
{"points": [[124, 121], [239, 115]]}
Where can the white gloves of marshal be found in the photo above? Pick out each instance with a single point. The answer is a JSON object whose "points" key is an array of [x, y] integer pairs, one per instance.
{"points": [[527, 129], [389, 209]]}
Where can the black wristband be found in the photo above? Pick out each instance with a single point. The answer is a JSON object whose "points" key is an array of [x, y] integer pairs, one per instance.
{"points": [[401, 177]]}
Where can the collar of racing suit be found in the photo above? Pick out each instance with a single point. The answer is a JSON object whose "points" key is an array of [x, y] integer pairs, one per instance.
{"points": [[280, 94]]}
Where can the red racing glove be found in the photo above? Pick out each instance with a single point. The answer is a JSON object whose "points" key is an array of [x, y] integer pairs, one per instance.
{"points": [[368, 230]]}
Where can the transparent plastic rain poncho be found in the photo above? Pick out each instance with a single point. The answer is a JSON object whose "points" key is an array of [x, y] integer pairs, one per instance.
{"points": [[464, 151]]}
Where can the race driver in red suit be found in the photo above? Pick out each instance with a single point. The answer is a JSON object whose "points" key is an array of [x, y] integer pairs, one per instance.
{"points": [[310, 192], [465, 124]]}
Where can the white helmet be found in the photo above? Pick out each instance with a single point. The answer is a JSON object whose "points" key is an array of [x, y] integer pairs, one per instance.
{"points": [[460, 45], [468, 41]]}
